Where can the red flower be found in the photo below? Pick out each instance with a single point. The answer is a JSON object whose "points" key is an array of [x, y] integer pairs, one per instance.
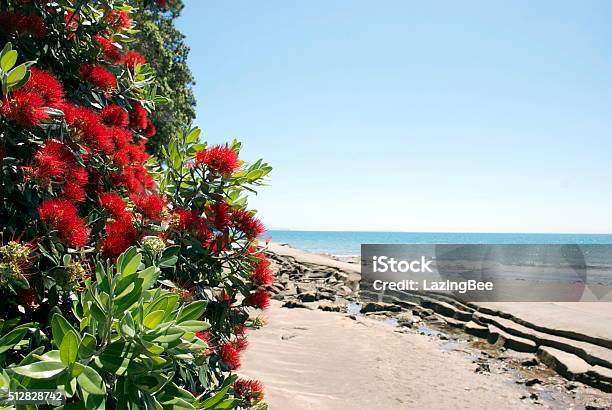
{"points": [[86, 125], [245, 222], [20, 23], [71, 20], [262, 275], [114, 115], [118, 20], [109, 49], [113, 203], [151, 206], [205, 336], [74, 192], [64, 217], [150, 130], [249, 390], [259, 299], [26, 108], [138, 117], [120, 235], [121, 138], [98, 76], [162, 3], [219, 159], [241, 344], [46, 86], [51, 161], [132, 58], [218, 212], [27, 299], [54, 162], [229, 355]]}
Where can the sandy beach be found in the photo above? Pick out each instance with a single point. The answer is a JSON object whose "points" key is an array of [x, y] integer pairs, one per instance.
{"points": [[308, 358]]}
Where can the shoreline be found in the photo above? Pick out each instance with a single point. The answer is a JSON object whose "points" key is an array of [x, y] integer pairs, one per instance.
{"points": [[558, 368]]}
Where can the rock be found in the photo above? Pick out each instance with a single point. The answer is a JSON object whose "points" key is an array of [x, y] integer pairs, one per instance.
{"points": [[330, 307], [304, 287], [292, 304], [482, 368], [405, 319], [326, 295], [502, 339], [533, 396], [530, 362], [307, 297], [380, 307], [341, 276], [344, 290], [477, 330], [532, 382]]}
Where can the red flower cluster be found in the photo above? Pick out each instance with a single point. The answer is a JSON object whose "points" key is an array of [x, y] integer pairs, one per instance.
{"points": [[46, 86], [262, 275], [218, 213], [55, 163], [259, 299], [111, 52], [114, 116], [151, 206], [132, 58], [203, 335], [219, 159], [118, 20], [62, 215], [25, 108], [114, 204], [249, 390], [99, 77], [87, 127], [120, 235], [245, 222], [229, 355], [139, 118], [191, 221], [21, 23], [71, 20]]}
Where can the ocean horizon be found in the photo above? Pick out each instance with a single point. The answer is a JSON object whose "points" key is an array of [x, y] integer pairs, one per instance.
{"points": [[348, 243]]}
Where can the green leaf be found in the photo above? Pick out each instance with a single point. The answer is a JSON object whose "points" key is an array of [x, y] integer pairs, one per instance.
{"points": [[90, 381], [132, 265], [69, 348], [149, 276], [193, 311], [127, 325], [9, 340], [193, 136], [154, 318], [8, 60], [87, 346], [59, 327], [125, 258], [40, 370], [193, 325], [16, 75]]}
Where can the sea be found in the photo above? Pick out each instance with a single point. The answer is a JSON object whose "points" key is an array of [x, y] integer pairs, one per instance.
{"points": [[348, 243]]}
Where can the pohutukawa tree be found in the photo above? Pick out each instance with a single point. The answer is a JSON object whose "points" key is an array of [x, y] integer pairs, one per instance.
{"points": [[127, 280]]}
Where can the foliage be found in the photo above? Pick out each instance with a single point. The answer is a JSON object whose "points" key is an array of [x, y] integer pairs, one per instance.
{"points": [[126, 278], [160, 42]]}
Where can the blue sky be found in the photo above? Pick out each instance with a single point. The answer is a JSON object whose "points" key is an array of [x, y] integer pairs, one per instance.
{"points": [[471, 116]]}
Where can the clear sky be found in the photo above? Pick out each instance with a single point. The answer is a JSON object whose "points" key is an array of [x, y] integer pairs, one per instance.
{"points": [[473, 116]]}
